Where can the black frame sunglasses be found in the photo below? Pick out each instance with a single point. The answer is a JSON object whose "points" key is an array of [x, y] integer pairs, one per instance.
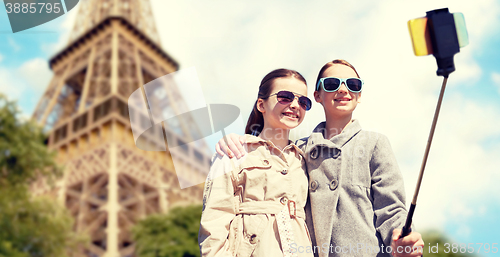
{"points": [[286, 97]]}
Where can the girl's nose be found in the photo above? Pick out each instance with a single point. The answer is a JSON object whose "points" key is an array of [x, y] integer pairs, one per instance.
{"points": [[343, 88], [295, 103]]}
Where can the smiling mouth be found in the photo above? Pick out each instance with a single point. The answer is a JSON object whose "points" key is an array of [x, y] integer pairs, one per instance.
{"points": [[342, 99], [291, 115]]}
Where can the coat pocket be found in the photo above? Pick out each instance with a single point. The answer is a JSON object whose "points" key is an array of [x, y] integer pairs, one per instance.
{"points": [[360, 176], [251, 180], [253, 229], [235, 234]]}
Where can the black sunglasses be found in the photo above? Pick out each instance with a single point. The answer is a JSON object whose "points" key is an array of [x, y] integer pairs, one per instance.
{"points": [[332, 84], [286, 97]]}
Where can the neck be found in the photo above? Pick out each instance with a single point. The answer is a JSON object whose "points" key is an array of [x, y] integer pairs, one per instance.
{"points": [[335, 125], [278, 136]]}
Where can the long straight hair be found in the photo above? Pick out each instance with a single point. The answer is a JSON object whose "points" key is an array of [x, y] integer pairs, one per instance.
{"points": [[255, 122]]}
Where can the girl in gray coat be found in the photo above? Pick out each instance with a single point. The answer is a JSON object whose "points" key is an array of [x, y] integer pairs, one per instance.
{"points": [[356, 192]]}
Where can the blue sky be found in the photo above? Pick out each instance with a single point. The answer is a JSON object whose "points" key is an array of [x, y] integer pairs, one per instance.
{"points": [[234, 44]]}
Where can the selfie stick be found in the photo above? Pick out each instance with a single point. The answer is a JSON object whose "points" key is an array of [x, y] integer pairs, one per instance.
{"points": [[407, 227], [441, 34]]}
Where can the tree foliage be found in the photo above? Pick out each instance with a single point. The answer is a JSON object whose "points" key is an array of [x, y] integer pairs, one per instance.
{"points": [[33, 227], [174, 234], [439, 245], [23, 154], [30, 226]]}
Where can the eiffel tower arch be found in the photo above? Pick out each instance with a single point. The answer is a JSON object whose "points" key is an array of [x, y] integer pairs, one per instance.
{"points": [[108, 183]]}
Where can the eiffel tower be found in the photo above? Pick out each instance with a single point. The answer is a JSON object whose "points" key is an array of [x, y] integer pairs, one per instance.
{"points": [[108, 183]]}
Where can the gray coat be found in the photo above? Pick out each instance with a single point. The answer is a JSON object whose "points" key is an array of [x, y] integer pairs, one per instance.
{"points": [[356, 192]]}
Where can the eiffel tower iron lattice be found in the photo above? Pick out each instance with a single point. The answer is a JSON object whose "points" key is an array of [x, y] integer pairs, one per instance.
{"points": [[108, 183]]}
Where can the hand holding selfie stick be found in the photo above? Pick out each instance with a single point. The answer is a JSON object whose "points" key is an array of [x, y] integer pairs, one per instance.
{"points": [[441, 34]]}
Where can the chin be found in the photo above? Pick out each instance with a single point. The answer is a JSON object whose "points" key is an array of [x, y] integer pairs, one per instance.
{"points": [[290, 124], [341, 111]]}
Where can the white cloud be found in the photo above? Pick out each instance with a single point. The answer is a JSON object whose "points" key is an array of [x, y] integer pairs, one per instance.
{"points": [[460, 169], [10, 84], [496, 79], [25, 83], [463, 230], [482, 19], [15, 46], [36, 73], [482, 210]]}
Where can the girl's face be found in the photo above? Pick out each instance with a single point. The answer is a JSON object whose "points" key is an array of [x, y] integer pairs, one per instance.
{"points": [[341, 102], [283, 116]]}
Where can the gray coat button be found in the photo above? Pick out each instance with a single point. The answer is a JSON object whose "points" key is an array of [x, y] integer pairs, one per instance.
{"points": [[314, 185], [265, 162], [314, 153], [333, 184], [336, 153], [284, 172], [283, 200]]}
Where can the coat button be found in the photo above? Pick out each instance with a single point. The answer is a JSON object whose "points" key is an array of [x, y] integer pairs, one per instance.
{"points": [[266, 162], [284, 172], [314, 153], [253, 239], [333, 184], [283, 200], [336, 153], [314, 185]]}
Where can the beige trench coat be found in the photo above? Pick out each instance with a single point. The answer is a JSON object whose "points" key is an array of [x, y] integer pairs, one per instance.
{"points": [[242, 198]]}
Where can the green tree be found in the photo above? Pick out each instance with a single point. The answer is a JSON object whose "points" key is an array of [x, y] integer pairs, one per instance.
{"points": [[23, 153], [30, 226], [174, 234], [438, 245]]}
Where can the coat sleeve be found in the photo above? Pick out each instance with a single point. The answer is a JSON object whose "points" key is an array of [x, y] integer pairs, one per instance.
{"points": [[387, 190], [219, 209]]}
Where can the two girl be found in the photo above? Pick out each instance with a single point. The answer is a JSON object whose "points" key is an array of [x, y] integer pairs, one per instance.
{"points": [[356, 203]]}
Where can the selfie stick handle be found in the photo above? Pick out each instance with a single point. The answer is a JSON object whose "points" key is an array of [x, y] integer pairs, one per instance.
{"points": [[407, 227]]}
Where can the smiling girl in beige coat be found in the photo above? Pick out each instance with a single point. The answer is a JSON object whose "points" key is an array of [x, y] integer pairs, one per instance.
{"points": [[254, 206]]}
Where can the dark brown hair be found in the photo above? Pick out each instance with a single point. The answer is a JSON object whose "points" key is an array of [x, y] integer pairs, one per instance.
{"points": [[330, 64], [255, 122]]}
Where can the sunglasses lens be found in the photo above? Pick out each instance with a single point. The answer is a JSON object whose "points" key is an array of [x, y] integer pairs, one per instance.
{"points": [[305, 103], [285, 96], [354, 84], [331, 84]]}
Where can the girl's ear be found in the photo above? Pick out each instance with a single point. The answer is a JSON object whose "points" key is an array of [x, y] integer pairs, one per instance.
{"points": [[260, 106], [359, 98], [317, 97]]}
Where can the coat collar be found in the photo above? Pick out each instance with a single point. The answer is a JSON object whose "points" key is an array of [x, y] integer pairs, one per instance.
{"points": [[256, 140], [338, 141]]}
